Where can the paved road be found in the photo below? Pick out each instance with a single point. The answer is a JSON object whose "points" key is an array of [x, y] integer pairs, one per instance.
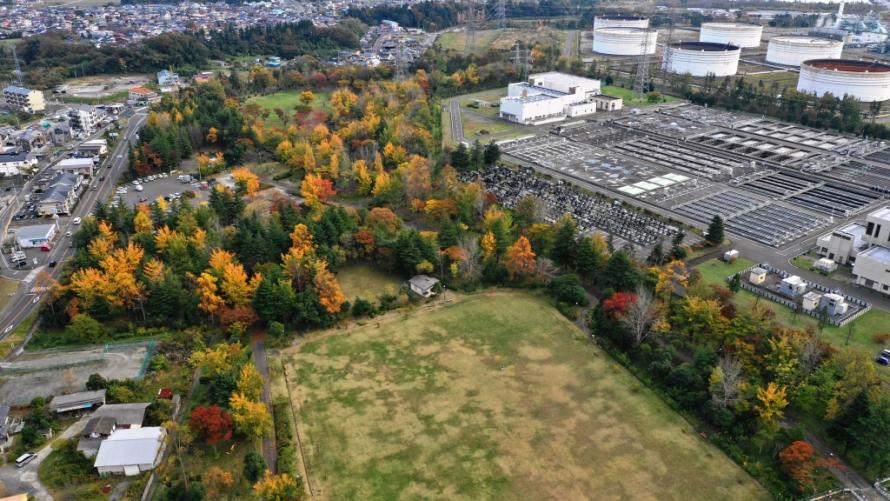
{"points": [[270, 453], [457, 128], [25, 479], [23, 303], [568, 50]]}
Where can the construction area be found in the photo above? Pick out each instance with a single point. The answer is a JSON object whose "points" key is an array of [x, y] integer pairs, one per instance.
{"points": [[772, 182], [56, 372]]}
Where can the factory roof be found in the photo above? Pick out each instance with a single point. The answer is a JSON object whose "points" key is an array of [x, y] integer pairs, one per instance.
{"points": [[130, 447], [562, 77], [621, 18], [880, 254], [882, 213]]}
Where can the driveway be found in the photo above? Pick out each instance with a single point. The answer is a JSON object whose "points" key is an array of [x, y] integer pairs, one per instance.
{"points": [[19, 480]]}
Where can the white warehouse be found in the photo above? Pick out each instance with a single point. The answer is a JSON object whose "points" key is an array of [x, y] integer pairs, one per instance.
{"points": [[872, 267], [549, 97]]}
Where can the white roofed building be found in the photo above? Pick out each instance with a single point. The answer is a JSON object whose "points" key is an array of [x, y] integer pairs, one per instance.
{"points": [[130, 451], [549, 97]]}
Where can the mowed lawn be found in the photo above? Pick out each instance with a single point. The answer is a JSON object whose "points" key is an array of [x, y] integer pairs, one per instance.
{"points": [[287, 101], [365, 281], [492, 396]]}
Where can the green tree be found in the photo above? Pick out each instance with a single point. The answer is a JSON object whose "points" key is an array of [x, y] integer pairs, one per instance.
{"points": [[492, 153], [84, 329], [254, 467], [460, 158], [715, 231], [565, 247], [620, 273]]}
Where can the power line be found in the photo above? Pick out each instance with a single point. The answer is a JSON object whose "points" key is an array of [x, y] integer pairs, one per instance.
{"points": [[501, 14], [641, 84], [18, 68], [471, 26]]}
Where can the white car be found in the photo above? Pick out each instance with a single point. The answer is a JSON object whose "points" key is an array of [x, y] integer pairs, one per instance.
{"points": [[135, 182], [67, 233], [76, 220], [36, 299]]}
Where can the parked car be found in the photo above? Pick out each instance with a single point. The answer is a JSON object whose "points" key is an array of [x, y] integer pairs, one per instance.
{"points": [[882, 360], [52, 264], [76, 220]]}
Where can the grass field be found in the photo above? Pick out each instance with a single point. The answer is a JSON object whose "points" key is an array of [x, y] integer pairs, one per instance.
{"points": [[864, 327], [7, 288], [491, 396], [631, 99], [286, 100], [502, 40], [366, 282]]}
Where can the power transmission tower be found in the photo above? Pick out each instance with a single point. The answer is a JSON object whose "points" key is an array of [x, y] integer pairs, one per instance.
{"points": [[471, 26], [520, 61], [667, 55], [400, 60], [18, 67], [501, 14], [641, 84]]}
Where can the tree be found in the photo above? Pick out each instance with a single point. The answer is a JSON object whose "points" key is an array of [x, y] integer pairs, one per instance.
{"points": [[328, 289], [460, 158], [725, 381], [800, 461], [96, 382], [640, 315], [492, 153], [316, 190], [715, 231], [217, 481], [565, 248], [211, 423], [735, 283], [771, 403], [218, 359], [250, 382], [251, 418], [84, 329], [520, 258], [280, 487], [619, 273], [254, 466], [247, 181]]}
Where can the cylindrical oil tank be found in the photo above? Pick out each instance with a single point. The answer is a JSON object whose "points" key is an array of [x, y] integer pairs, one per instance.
{"points": [[867, 81], [793, 50], [624, 41], [738, 34], [701, 58], [613, 21]]}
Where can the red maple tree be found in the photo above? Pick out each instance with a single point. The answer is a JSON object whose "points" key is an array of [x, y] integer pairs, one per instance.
{"points": [[211, 423], [618, 303]]}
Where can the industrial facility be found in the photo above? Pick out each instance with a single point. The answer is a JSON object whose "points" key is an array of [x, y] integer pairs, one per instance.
{"points": [[868, 81], [624, 41], [610, 21], [702, 58], [794, 50], [549, 97], [738, 34]]}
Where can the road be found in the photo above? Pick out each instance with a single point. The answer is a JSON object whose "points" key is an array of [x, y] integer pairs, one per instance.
{"points": [[24, 302], [258, 342], [457, 128], [25, 479], [571, 45]]}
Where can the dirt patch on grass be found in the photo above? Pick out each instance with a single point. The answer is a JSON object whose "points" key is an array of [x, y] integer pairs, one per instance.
{"points": [[493, 396]]}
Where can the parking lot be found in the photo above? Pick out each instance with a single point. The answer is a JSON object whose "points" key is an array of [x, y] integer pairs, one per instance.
{"points": [[168, 187]]}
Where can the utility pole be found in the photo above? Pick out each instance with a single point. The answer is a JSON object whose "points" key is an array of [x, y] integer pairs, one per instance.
{"points": [[471, 26], [501, 14], [18, 67]]}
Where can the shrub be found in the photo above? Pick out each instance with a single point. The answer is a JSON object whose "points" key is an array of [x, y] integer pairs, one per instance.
{"points": [[276, 329], [881, 337], [254, 466], [362, 308]]}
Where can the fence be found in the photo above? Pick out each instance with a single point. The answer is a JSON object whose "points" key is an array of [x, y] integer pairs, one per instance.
{"points": [[150, 347], [861, 307], [839, 494]]}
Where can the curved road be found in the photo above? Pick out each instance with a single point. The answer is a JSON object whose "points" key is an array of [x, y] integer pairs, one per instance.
{"points": [[24, 302]]}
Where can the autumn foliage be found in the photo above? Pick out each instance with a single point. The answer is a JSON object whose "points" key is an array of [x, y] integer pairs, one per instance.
{"points": [[618, 303], [211, 423]]}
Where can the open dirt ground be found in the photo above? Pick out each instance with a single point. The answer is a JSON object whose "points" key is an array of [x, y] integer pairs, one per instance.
{"points": [[492, 396]]}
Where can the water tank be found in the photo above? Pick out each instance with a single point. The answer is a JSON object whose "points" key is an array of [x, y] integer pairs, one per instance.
{"points": [[700, 59], [867, 81], [610, 21], [793, 50], [738, 34], [624, 41]]}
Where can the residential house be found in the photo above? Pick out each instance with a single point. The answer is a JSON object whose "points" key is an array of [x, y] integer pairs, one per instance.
{"points": [[203, 77], [61, 196], [142, 96], [125, 416], [31, 139], [17, 163], [130, 451], [24, 100], [60, 133], [95, 147], [96, 430], [167, 80]]}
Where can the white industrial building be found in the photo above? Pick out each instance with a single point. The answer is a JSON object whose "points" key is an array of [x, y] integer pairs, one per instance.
{"points": [[618, 41], [872, 266], [130, 451], [609, 21], [701, 59], [738, 34], [549, 97], [868, 81], [843, 244], [793, 50]]}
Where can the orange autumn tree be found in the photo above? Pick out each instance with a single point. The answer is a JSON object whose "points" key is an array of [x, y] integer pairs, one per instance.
{"points": [[520, 258], [328, 289], [247, 181], [316, 190], [800, 461]]}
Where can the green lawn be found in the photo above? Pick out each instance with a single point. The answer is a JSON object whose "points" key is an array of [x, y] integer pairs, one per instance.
{"points": [[492, 396], [630, 97], [458, 40], [365, 281], [286, 100]]}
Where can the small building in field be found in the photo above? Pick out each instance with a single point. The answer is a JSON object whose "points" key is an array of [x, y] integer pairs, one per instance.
{"points": [[423, 285], [757, 276], [792, 287], [810, 301]]}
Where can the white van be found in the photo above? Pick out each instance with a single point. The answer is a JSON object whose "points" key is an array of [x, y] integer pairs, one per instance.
{"points": [[76, 220], [25, 459]]}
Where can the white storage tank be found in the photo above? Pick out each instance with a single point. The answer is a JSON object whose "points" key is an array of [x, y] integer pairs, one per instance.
{"points": [[614, 21], [793, 50], [624, 41], [868, 81], [701, 58], [738, 34]]}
